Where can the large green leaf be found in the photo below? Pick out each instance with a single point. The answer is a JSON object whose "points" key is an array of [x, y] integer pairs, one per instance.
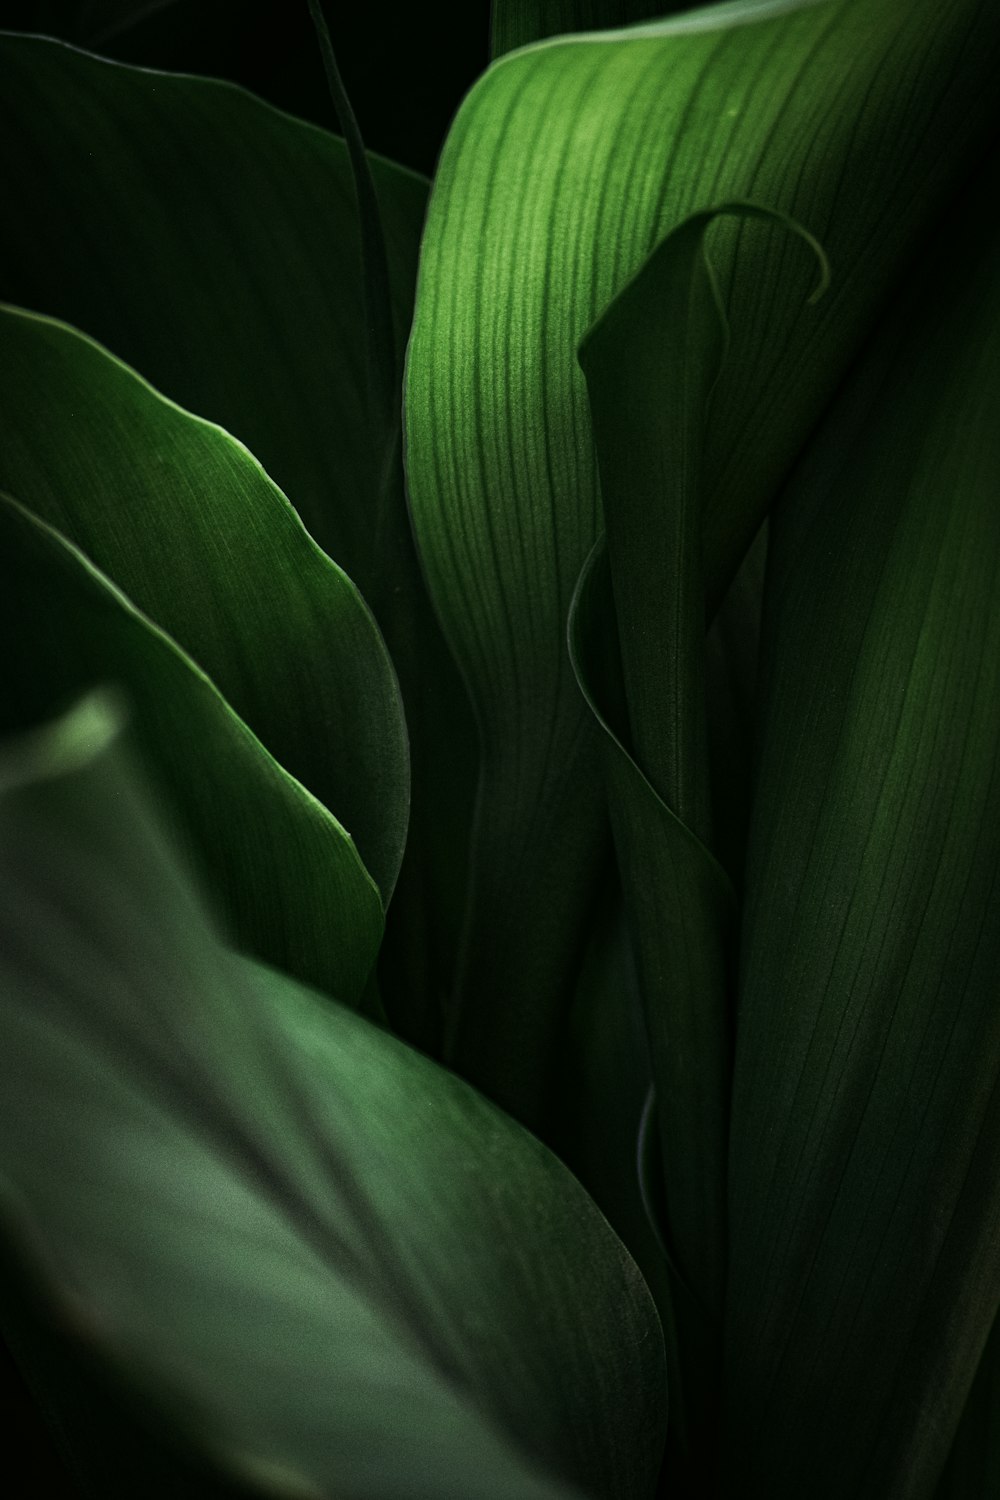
{"points": [[281, 871], [212, 243], [331, 1264], [566, 164], [865, 1162], [183, 519]]}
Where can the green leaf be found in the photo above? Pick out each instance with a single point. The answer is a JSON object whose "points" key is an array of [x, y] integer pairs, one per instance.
{"points": [[187, 524], [281, 871], [732, 648], [682, 915], [212, 242], [650, 362], [567, 163], [865, 1162], [330, 1265]]}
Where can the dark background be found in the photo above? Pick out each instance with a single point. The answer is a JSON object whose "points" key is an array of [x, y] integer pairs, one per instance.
{"points": [[406, 67]]}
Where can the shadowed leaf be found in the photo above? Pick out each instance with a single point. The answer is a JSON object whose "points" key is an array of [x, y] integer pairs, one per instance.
{"points": [[183, 519], [566, 165], [865, 1163]]}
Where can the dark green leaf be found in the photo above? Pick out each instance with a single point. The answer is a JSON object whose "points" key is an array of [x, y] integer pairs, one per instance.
{"points": [[333, 1266], [681, 911], [280, 869], [973, 1467], [865, 1163], [212, 242], [515, 23], [651, 361], [188, 525]]}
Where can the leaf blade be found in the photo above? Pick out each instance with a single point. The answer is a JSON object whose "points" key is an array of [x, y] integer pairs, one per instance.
{"points": [[283, 873], [865, 1145], [185, 521], [390, 1292], [566, 164]]}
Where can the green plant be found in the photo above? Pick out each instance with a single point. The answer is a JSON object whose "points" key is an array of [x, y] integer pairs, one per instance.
{"points": [[704, 333]]}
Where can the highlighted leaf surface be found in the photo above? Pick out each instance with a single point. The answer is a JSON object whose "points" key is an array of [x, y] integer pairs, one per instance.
{"points": [[566, 165]]}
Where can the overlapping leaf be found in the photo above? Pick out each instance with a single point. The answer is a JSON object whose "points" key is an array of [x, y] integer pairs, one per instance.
{"points": [[213, 243], [865, 1211], [186, 523], [566, 164], [280, 869], [973, 1466], [331, 1264]]}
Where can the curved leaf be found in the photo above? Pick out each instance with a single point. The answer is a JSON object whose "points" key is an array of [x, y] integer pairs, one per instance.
{"points": [[187, 524], [973, 1467], [865, 1162], [681, 912], [212, 242], [567, 163], [280, 869], [332, 1264]]}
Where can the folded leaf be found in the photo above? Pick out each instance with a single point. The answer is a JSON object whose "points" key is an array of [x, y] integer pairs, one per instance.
{"points": [[187, 524], [865, 1161], [732, 648], [331, 1264], [282, 873], [567, 163]]}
